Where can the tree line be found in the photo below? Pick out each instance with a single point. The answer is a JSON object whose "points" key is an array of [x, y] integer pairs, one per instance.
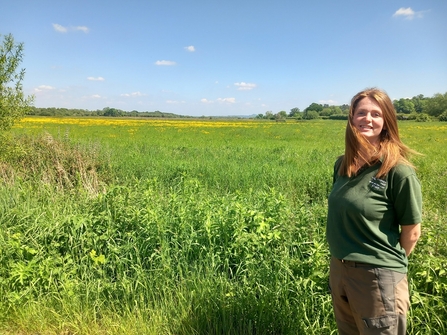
{"points": [[419, 108], [107, 111]]}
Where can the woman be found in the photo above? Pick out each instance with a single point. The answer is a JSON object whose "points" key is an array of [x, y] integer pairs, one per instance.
{"points": [[373, 222]]}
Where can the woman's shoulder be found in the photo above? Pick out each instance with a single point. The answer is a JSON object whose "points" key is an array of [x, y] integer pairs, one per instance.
{"points": [[402, 171], [339, 160]]}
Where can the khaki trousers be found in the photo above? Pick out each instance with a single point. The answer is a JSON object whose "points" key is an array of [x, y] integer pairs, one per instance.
{"points": [[368, 300]]}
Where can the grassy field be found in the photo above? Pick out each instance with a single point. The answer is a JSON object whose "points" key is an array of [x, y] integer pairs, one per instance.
{"points": [[126, 226]]}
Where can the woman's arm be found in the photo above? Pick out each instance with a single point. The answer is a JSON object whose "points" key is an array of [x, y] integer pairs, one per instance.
{"points": [[409, 235]]}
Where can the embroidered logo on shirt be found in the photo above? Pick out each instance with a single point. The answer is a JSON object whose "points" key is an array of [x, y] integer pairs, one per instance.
{"points": [[377, 184]]}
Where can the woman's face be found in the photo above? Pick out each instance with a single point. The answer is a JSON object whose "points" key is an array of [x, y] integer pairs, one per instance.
{"points": [[368, 120]]}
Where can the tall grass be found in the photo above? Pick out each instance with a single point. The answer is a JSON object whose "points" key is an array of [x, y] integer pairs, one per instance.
{"points": [[208, 228]]}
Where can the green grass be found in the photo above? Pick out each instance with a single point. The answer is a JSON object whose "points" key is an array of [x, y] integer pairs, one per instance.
{"points": [[198, 229]]}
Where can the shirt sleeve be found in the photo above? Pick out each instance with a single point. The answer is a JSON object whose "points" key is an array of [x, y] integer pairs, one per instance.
{"points": [[407, 196], [336, 168]]}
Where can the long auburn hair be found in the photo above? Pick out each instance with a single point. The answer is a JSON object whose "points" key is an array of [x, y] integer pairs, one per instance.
{"points": [[358, 150]]}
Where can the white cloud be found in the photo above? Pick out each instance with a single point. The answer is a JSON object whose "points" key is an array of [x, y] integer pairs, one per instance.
{"points": [[221, 100], [165, 62], [133, 94], [227, 100], [96, 96], [174, 102], [82, 28], [190, 48], [42, 88], [408, 13], [96, 78], [61, 29], [245, 86]]}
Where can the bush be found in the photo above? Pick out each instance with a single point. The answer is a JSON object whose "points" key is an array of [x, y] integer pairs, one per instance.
{"points": [[443, 116], [402, 116], [46, 160], [422, 117], [338, 117], [312, 115], [412, 116]]}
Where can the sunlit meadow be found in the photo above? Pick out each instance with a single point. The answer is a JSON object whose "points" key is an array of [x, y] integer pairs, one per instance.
{"points": [[191, 227]]}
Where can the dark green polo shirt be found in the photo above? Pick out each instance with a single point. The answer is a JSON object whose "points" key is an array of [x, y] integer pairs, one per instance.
{"points": [[365, 213]]}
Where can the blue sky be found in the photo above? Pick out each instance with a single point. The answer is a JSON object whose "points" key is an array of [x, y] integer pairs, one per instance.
{"points": [[205, 57]]}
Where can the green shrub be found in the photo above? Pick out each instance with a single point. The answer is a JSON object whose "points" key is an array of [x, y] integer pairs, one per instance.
{"points": [[312, 115], [338, 117], [422, 117], [55, 162]]}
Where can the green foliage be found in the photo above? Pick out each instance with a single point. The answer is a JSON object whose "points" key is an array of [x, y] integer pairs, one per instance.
{"points": [[443, 116], [413, 116], [212, 229], [326, 111], [13, 104], [282, 115], [404, 106], [437, 105], [314, 107], [235, 258], [52, 162], [107, 111], [294, 112], [419, 103], [423, 117], [338, 117], [311, 115]]}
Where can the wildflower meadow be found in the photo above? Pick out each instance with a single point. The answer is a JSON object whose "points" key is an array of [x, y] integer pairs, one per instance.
{"points": [[197, 226]]}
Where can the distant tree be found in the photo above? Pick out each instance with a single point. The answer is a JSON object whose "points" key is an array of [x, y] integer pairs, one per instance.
{"points": [[345, 108], [419, 103], [336, 110], [311, 115], [259, 116], [327, 111], [269, 115], [294, 112], [281, 115], [13, 103], [107, 111], [314, 107], [437, 105], [404, 106]]}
